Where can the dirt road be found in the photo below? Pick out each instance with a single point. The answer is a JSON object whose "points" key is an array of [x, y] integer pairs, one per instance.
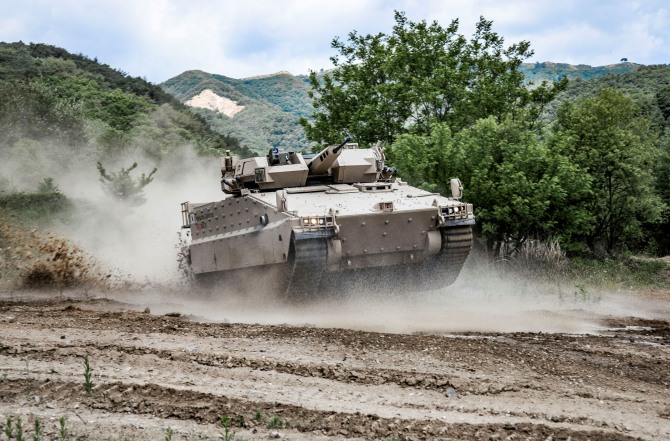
{"points": [[162, 375]]}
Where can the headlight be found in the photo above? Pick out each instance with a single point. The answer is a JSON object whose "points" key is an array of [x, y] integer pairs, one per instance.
{"points": [[317, 221], [453, 211]]}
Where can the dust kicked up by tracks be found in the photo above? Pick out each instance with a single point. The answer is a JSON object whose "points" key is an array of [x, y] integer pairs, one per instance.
{"points": [[385, 370]]}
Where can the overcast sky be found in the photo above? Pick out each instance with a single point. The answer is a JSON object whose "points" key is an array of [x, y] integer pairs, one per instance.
{"points": [[159, 39]]}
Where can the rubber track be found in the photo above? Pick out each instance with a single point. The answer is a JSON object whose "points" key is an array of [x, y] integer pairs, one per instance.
{"points": [[456, 245], [307, 265]]}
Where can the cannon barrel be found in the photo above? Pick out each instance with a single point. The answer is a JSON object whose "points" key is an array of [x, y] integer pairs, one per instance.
{"points": [[325, 158]]}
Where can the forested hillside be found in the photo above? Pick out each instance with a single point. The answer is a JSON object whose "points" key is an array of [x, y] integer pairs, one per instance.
{"points": [[548, 71], [70, 111], [272, 106], [63, 114], [273, 103]]}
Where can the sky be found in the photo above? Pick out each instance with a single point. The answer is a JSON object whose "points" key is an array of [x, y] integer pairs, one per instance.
{"points": [[159, 39]]}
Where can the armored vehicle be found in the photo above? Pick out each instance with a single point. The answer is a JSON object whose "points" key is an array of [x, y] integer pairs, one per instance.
{"points": [[327, 217]]}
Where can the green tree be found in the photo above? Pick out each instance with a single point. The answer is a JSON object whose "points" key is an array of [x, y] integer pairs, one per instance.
{"points": [[521, 189], [663, 101], [421, 74], [47, 186], [661, 233], [122, 186], [33, 110], [606, 136]]}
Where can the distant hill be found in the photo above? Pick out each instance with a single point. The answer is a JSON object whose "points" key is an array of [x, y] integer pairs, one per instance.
{"points": [[647, 85], [61, 110], [548, 71], [268, 106]]}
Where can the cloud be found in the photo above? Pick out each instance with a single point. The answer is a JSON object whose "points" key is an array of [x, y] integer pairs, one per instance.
{"points": [[162, 38]]}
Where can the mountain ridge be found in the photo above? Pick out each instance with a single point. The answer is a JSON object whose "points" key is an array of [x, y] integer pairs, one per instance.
{"points": [[274, 102]]}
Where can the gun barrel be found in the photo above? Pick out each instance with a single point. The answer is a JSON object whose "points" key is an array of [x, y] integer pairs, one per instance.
{"points": [[326, 157]]}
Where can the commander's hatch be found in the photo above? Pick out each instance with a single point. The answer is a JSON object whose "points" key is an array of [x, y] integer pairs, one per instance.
{"points": [[341, 188], [374, 187]]}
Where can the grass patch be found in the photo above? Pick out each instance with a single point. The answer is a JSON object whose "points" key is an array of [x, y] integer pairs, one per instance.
{"points": [[546, 262], [278, 423], [624, 272], [36, 209]]}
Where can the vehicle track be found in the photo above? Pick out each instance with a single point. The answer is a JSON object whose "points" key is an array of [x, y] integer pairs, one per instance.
{"points": [[328, 383]]}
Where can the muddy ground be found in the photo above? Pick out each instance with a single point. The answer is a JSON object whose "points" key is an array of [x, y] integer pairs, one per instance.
{"points": [[164, 366]]}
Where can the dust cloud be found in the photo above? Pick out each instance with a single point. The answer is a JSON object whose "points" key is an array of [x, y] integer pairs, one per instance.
{"points": [[482, 300], [139, 245]]}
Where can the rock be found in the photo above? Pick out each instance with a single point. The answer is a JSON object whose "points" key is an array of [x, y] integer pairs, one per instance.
{"points": [[274, 434], [147, 310], [411, 381], [358, 375], [451, 392], [179, 356]]}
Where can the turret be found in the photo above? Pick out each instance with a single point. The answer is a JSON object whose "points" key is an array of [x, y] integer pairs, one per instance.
{"points": [[325, 158], [344, 163]]}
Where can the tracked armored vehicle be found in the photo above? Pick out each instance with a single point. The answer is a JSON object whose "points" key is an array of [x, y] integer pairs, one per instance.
{"points": [[327, 218]]}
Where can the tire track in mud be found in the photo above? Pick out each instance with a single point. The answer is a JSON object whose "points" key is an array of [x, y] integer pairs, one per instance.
{"points": [[473, 361], [548, 353], [358, 375], [161, 402]]}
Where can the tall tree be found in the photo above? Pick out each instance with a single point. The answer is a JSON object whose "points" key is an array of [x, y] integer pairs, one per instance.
{"points": [[521, 189], [421, 74], [606, 136]]}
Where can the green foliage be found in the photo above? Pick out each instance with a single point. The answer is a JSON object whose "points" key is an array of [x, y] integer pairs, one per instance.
{"points": [[521, 189], [610, 273], [36, 208], [88, 384], [9, 428], [19, 430], [227, 434], [387, 85], [608, 139], [33, 110], [168, 434], [38, 431], [122, 186], [71, 109], [62, 429], [643, 85], [121, 110], [663, 99], [272, 106], [278, 423], [47, 186], [660, 233], [547, 71]]}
